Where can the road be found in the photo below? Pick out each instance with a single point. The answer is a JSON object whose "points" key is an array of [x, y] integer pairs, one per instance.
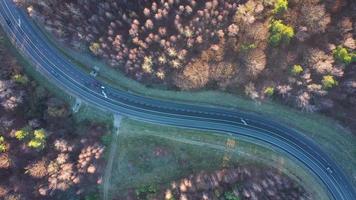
{"points": [[51, 63]]}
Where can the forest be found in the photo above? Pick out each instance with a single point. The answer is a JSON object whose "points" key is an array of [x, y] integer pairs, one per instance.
{"points": [[298, 52], [44, 151]]}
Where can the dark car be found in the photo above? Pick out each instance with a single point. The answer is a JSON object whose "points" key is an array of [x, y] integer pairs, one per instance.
{"points": [[8, 22]]}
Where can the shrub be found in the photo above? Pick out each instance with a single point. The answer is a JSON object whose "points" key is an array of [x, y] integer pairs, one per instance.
{"points": [[35, 143], [92, 196], [230, 196], [246, 47], [3, 147], [106, 139], [341, 54], [21, 134], [142, 192], [269, 91], [39, 139], [297, 69], [40, 134], [280, 6], [21, 79], [94, 48], [280, 33], [329, 82]]}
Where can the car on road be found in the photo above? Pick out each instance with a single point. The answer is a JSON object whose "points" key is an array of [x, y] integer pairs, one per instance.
{"points": [[103, 91], [329, 170], [8, 22]]}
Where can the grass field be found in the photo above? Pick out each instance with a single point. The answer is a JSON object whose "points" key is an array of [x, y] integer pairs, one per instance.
{"points": [[156, 155]]}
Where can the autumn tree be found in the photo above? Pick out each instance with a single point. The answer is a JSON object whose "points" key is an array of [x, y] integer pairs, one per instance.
{"points": [[315, 18], [56, 108], [194, 76], [222, 73], [319, 61], [9, 98], [37, 169], [280, 33], [254, 61]]}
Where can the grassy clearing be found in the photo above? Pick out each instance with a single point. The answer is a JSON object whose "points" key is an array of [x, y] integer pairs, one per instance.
{"points": [[87, 112], [157, 155], [337, 141]]}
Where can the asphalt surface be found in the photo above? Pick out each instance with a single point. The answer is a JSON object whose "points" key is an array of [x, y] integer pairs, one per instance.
{"points": [[51, 63]]}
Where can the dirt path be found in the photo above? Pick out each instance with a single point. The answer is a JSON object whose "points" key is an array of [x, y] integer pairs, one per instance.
{"points": [[113, 147]]}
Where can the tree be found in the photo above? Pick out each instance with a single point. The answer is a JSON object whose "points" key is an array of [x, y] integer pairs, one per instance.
{"points": [[37, 169], [5, 163], [255, 35], [194, 76], [280, 6], [10, 99], [254, 61], [303, 101], [280, 33], [3, 146], [147, 65], [318, 60], [329, 82], [56, 108], [21, 134], [38, 139], [296, 70], [94, 48], [222, 73], [341, 54], [269, 91], [315, 18]]}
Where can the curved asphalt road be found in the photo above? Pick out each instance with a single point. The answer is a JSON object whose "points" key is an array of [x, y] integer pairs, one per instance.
{"points": [[64, 73]]}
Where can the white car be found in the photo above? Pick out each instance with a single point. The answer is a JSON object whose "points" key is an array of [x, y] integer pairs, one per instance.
{"points": [[103, 92]]}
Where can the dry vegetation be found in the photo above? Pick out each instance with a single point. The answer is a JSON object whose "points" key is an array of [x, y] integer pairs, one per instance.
{"points": [[41, 154], [286, 49], [246, 182]]}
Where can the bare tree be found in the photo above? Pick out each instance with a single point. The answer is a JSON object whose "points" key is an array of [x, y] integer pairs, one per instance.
{"points": [[315, 18], [194, 76]]}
